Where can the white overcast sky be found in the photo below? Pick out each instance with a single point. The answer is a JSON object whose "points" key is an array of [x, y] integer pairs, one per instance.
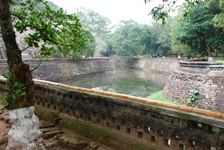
{"points": [[114, 10]]}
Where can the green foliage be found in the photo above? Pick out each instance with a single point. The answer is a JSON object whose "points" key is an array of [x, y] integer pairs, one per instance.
{"points": [[219, 18], [18, 88], [54, 29], [131, 39], [160, 37], [19, 91], [192, 54], [160, 12], [3, 100], [157, 96], [193, 97], [218, 59], [176, 45], [94, 22], [8, 77], [109, 51], [89, 48], [198, 32]]}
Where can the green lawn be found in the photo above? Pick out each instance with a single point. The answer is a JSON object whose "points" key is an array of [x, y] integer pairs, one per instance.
{"points": [[158, 96], [218, 59]]}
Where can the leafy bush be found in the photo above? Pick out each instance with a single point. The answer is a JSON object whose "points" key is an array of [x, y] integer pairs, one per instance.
{"points": [[193, 97]]}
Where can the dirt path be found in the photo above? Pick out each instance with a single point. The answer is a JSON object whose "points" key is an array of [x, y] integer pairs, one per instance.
{"points": [[4, 127]]}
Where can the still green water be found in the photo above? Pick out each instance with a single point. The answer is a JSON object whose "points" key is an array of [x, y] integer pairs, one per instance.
{"points": [[130, 82]]}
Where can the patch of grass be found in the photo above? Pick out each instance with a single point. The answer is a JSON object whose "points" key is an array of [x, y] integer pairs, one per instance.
{"points": [[3, 99], [218, 59], [158, 96]]}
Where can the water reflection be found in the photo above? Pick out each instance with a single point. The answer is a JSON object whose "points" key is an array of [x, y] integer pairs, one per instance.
{"points": [[131, 82]]}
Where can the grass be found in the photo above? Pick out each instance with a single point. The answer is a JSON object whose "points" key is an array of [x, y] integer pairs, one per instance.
{"points": [[218, 59], [158, 96]]}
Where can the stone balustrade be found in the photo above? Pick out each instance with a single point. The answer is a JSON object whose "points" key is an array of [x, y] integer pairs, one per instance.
{"points": [[128, 122], [202, 67]]}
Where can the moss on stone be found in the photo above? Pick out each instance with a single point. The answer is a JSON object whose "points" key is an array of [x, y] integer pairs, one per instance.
{"points": [[88, 131]]}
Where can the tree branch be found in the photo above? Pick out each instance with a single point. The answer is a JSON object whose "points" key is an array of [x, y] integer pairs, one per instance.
{"points": [[36, 67], [16, 15], [25, 48]]}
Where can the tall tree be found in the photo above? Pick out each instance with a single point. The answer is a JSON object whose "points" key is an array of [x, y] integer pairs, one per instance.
{"points": [[161, 35], [55, 30], [197, 30], [219, 18], [160, 12], [97, 24], [89, 49], [129, 39], [164, 7], [176, 45]]}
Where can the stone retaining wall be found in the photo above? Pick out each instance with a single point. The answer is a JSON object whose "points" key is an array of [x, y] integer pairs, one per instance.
{"points": [[126, 121], [61, 69], [166, 65], [210, 89]]}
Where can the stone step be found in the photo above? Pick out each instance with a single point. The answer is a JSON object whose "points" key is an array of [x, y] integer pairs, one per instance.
{"points": [[51, 134], [50, 129], [6, 118], [74, 143], [47, 126], [2, 147], [3, 139], [2, 107]]}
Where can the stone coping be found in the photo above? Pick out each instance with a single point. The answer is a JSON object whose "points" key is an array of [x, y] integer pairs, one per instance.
{"points": [[137, 99]]}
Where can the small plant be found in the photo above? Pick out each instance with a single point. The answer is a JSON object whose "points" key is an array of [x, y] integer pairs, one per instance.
{"points": [[19, 90], [193, 97], [3, 99]]}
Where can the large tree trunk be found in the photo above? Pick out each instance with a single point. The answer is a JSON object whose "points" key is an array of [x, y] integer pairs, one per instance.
{"points": [[209, 51], [21, 89]]}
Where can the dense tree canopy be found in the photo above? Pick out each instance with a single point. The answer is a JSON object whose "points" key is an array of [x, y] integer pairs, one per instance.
{"points": [[198, 32], [219, 18], [97, 24], [54, 29], [161, 11], [131, 39]]}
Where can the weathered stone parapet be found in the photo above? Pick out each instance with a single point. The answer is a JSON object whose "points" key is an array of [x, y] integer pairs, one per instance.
{"points": [[121, 119], [209, 87], [202, 67]]}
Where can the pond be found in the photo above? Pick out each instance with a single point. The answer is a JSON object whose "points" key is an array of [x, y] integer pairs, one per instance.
{"points": [[130, 82]]}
